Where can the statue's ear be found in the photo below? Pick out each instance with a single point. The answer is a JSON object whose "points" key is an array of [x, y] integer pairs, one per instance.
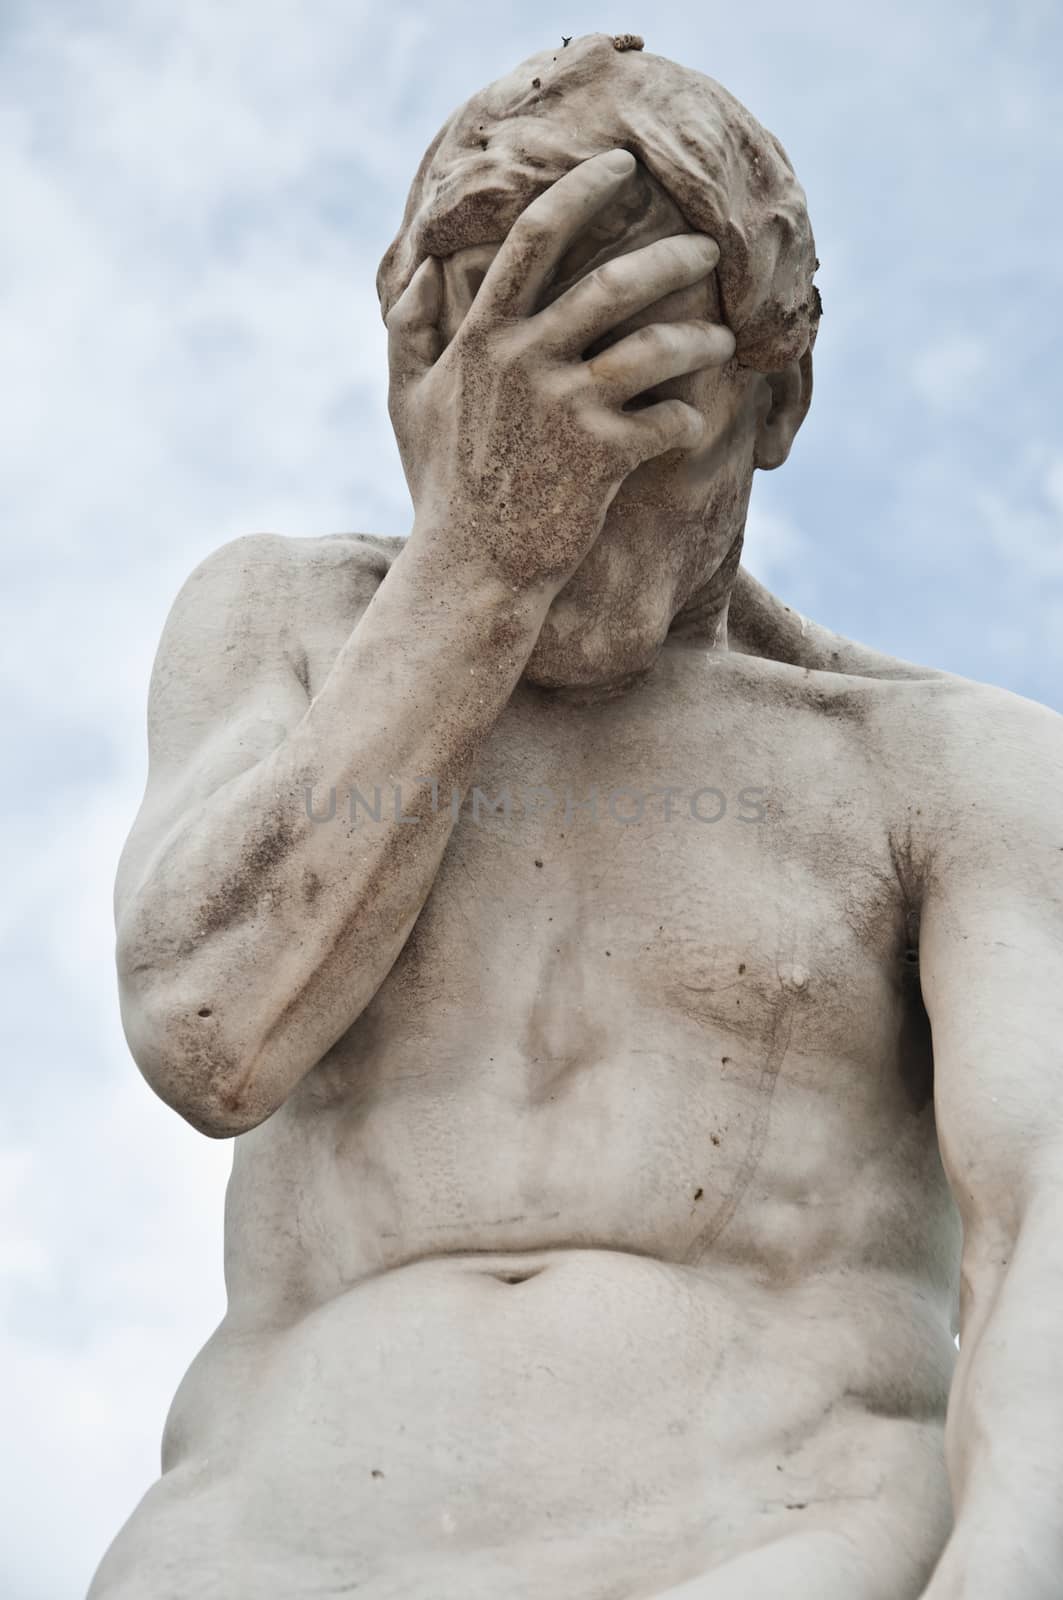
{"points": [[791, 396]]}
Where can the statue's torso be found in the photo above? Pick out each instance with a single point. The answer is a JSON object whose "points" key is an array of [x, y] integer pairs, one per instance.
{"points": [[613, 1237]]}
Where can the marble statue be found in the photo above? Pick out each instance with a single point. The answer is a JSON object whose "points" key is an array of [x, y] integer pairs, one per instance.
{"points": [[636, 1008]]}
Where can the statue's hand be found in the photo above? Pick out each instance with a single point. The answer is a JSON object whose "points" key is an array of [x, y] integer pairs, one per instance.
{"points": [[513, 444]]}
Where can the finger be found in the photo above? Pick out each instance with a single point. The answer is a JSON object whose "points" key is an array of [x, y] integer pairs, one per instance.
{"points": [[668, 425], [619, 288], [415, 339], [653, 354], [543, 232]]}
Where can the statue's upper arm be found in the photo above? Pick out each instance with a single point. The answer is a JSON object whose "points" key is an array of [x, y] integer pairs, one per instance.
{"points": [[991, 953], [224, 689]]}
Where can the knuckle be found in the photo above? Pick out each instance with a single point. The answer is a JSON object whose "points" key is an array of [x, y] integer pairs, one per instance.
{"points": [[533, 227], [661, 335], [606, 278], [473, 336], [512, 351], [476, 347], [667, 423], [612, 437], [595, 378], [601, 372], [558, 384], [656, 339]]}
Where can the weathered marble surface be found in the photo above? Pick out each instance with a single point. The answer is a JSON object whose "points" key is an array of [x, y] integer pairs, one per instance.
{"points": [[623, 992]]}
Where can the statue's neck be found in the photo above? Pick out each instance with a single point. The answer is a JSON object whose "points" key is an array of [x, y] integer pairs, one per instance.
{"points": [[703, 617]]}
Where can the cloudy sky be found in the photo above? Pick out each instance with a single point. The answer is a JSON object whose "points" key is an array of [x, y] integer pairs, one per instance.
{"points": [[195, 196]]}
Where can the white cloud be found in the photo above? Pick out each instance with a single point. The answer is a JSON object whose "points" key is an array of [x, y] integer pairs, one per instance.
{"points": [[775, 547], [1053, 488], [948, 373]]}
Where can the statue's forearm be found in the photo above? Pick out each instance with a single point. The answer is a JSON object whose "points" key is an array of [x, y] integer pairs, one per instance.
{"points": [[1005, 1427], [260, 933]]}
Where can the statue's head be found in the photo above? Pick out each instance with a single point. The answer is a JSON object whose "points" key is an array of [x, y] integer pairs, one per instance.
{"points": [[673, 534]]}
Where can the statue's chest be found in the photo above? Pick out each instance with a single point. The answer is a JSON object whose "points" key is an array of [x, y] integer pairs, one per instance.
{"points": [[656, 991], [650, 862]]}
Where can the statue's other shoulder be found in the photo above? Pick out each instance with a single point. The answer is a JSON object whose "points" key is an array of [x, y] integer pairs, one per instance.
{"points": [[760, 624], [965, 722], [972, 760], [995, 760]]}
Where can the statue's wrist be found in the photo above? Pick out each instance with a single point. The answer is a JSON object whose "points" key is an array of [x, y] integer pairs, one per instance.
{"points": [[455, 551]]}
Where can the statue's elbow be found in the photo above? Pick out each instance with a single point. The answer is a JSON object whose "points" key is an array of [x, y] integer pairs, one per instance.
{"points": [[187, 1056]]}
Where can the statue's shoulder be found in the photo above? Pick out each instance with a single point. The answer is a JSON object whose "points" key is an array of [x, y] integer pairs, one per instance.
{"points": [[983, 772], [285, 554], [993, 747], [377, 549], [981, 750], [342, 571], [261, 576], [967, 718], [255, 601], [760, 624]]}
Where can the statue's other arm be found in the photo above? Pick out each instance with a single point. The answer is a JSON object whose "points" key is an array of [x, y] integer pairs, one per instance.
{"points": [[992, 961]]}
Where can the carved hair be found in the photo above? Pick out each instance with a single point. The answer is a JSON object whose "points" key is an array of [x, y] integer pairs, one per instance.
{"points": [[727, 175]]}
